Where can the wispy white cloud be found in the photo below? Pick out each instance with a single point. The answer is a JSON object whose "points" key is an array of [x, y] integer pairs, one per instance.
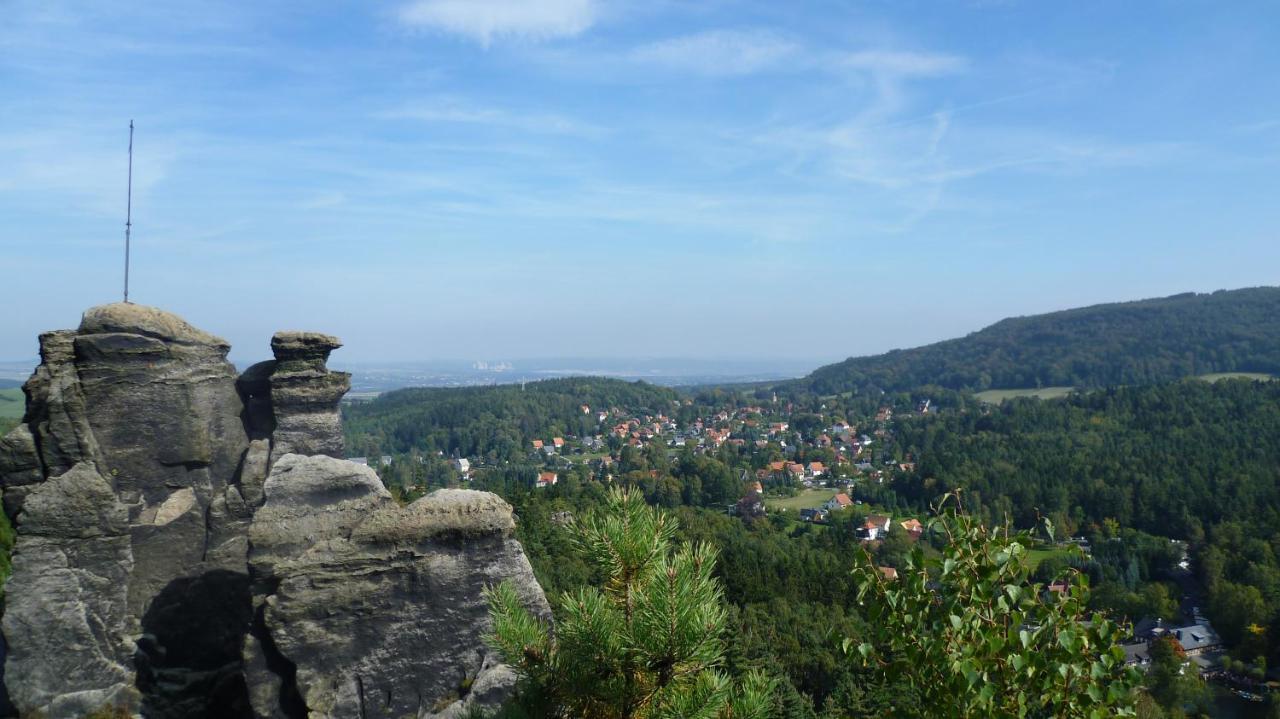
{"points": [[720, 52], [84, 165], [903, 64], [456, 111], [487, 20]]}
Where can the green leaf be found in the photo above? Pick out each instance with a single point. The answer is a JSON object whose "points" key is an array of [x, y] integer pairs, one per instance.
{"points": [[1067, 639]]}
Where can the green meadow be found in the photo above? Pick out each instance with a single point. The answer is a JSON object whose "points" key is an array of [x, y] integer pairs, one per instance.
{"points": [[996, 396], [807, 499], [12, 403]]}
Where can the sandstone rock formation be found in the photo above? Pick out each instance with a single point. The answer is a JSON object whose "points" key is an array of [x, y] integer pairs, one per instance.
{"points": [[69, 588], [181, 555], [294, 398], [353, 587]]}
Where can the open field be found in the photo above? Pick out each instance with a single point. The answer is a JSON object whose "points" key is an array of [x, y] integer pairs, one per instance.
{"points": [[1036, 556], [808, 499], [996, 396], [1218, 376], [12, 403]]}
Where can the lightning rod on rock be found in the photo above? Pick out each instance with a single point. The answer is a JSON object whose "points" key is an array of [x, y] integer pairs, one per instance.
{"points": [[128, 215]]}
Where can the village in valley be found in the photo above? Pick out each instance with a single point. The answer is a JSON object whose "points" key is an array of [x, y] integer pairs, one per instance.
{"points": [[822, 468]]}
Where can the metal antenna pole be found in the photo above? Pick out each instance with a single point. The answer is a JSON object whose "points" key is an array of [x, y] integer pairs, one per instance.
{"points": [[128, 216]]}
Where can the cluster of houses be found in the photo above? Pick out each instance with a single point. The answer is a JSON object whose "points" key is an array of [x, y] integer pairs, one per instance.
{"points": [[556, 444], [809, 458], [874, 527], [740, 427], [794, 470]]}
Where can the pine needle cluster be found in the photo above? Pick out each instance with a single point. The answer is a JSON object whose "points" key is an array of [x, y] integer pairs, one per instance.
{"points": [[647, 644]]}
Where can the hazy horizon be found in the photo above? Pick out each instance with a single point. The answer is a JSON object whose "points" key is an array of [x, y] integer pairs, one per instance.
{"points": [[343, 358], [437, 181]]}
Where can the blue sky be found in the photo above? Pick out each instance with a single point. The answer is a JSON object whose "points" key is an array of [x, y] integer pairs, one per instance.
{"points": [[497, 179]]}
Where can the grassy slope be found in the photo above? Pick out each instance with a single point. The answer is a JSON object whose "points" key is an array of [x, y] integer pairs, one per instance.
{"points": [[807, 499], [996, 396], [12, 403], [1036, 556], [1219, 376]]}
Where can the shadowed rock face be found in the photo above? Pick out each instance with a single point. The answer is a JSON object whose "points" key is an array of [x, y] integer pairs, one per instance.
{"points": [[134, 481]]}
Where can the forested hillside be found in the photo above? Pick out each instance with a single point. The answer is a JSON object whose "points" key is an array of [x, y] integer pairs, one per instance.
{"points": [[1188, 460], [496, 422], [1172, 458], [1113, 344]]}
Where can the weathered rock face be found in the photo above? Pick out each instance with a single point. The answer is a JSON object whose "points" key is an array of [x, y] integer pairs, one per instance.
{"points": [[294, 398], [137, 483], [69, 589], [374, 604], [141, 408]]}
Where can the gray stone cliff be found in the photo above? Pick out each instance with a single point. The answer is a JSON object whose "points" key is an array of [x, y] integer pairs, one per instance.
{"points": [[190, 543]]}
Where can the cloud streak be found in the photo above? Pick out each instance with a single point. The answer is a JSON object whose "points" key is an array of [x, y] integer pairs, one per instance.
{"points": [[902, 63], [487, 20], [455, 111], [719, 53]]}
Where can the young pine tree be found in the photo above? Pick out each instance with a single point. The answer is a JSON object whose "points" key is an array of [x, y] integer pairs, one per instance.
{"points": [[645, 645]]}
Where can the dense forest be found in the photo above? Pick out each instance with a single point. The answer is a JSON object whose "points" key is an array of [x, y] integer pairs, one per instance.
{"points": [[790, 592], [1112, 344], [1173, 458], [1192, 461]]}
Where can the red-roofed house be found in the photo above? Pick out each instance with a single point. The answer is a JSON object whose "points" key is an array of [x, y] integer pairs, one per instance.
{"points": [[547, 479], [840, 501], [537, 444], [875, 526], [889, 573]]}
